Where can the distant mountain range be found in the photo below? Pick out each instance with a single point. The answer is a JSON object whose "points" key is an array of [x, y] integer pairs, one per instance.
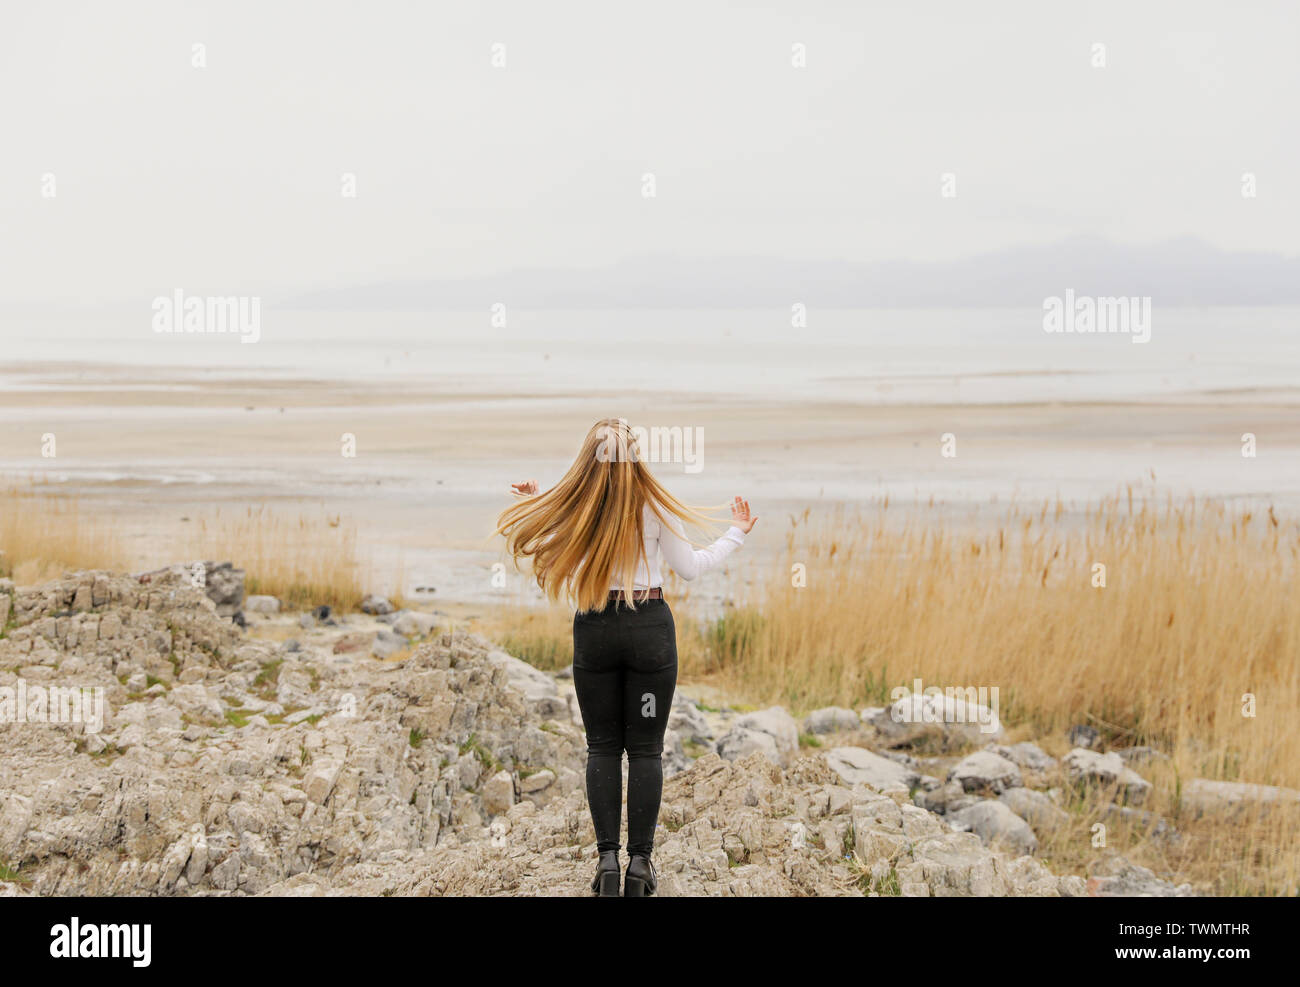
{"points": [[1183, 271]]}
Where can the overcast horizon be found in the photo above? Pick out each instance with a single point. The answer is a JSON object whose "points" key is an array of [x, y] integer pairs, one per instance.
{"points": [[815, 132]]}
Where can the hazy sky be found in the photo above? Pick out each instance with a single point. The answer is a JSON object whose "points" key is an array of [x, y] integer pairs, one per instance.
{"points": [[226, 179]]}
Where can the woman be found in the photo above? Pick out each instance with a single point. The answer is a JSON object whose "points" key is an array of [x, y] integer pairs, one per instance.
{"points": [[595, 539]]}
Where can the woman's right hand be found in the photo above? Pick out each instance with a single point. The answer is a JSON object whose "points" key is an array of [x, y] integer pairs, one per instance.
{"points": [[525, 489], [740, 515]]}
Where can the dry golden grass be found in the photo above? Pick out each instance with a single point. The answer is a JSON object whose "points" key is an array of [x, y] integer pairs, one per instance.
{"points": [[305, 561], [44, 534], [1200, 609], [544, 636]]}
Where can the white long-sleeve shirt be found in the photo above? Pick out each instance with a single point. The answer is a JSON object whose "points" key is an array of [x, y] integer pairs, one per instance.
{"points": [[684, 559]]}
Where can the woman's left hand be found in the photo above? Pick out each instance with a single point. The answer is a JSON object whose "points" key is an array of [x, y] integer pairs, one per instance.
{"points": [[525, 489], [740, 515]]}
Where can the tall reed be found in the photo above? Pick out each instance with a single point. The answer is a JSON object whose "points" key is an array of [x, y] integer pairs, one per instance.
{"points": [[44, 534], [1162, 623], [305, 560]]}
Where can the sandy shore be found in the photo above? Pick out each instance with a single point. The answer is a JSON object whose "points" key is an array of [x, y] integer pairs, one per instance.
{"points": [[154, 450]]}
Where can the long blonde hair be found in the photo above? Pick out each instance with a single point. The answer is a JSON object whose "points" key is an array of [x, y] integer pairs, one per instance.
{"points": [[586, 530]]}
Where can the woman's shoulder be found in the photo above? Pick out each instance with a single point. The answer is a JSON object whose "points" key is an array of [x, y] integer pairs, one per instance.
{"points": [[649, 519], [651, 523]]}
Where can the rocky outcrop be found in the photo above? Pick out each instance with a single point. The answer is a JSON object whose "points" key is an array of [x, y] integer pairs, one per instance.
{"points": [[235, 766], [857, 766], [688, 723], [1117, 877], [986, 772], [729, 828], [1026, 756], [777, 724], [739, 743], [946, 721], [832, 719], [1200, 796], [1108, 772], [996, 825], [1035, 808], [224, 586], [412, 623], [227, 766]]}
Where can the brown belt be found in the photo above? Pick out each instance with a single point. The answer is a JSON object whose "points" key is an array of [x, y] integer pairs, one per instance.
{"points": [[638, 595]]}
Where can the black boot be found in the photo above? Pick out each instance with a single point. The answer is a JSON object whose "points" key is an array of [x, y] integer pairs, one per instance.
{"points": [[605, 883], [640, 881]]}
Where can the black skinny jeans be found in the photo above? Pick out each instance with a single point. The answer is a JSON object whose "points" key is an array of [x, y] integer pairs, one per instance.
{"points": [[625, 672]]}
